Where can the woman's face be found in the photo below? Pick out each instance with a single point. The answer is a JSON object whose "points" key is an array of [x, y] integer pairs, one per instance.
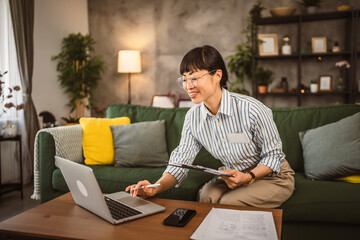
{"points": [[207, 87]]}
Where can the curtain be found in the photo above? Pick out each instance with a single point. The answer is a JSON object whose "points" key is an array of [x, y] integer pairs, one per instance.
{"points": [[22, 15], [8, 62]]}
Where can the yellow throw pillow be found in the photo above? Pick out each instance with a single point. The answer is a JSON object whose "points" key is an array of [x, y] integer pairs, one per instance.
{"points": [[350, 179], [98, 143]]}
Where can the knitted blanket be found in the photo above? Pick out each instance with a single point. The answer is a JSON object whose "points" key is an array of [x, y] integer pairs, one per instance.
{"points": [[68, 145]]}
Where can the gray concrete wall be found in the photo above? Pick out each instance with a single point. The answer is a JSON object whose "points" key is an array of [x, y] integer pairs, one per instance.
{"points": [[164, 30]]}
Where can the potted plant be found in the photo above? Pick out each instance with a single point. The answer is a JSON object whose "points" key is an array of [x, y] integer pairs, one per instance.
{"points": [[70, 120], [241, 62], [313, 86], [79, 72], [263, 78], [311, 5]]}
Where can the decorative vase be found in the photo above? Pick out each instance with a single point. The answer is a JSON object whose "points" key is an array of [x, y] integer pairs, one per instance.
{"points": [[312, 9], [262, 89], [340, 84], [10, 130], [313, 87]]}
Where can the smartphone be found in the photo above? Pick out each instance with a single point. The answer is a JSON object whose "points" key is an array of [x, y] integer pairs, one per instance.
{"points": [[179, 218]]}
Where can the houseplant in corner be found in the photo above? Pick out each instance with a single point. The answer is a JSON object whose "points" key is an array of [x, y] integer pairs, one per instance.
{"points": [[79, 71], [263, 78]]}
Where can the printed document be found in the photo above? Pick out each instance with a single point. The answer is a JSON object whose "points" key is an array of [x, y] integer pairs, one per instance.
{"points": [[224, 224]]}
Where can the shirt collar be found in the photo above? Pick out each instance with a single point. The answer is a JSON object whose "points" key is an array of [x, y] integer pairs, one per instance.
{"points": [[225, 106]]}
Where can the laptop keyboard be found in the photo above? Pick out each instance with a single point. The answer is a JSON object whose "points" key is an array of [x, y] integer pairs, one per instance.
{"points": [[119, 210]]}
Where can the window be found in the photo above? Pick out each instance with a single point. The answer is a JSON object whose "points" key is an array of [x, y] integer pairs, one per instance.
{"points": [[8, 62]]}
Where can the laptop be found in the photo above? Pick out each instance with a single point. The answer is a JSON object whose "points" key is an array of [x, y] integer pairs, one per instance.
{"points": [[115, 208]]}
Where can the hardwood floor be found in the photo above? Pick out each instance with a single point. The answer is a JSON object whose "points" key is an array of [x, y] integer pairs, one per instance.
{"points": [[11, 203]]}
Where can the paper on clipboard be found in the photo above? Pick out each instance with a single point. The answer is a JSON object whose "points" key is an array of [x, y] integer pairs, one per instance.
{"points": [[200, 168]]}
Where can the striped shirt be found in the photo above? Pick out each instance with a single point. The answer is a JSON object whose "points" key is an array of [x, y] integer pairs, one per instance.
{"points": [[241, 135]]}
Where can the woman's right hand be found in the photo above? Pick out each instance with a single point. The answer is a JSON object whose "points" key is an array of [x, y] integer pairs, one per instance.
{"points": [[145, 192]]}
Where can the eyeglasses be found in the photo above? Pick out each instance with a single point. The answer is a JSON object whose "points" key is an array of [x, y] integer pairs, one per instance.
{"points": [[182, 81]]}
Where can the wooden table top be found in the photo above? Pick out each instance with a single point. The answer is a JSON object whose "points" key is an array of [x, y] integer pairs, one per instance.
{"points": [[61, 218]]}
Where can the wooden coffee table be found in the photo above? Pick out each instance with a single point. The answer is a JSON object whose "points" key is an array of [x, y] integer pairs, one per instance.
{"points": [[61, 218]]}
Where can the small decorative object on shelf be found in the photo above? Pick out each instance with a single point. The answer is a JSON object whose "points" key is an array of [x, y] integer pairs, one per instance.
{"points": [[268, 45], [303, 88], [282, 11], [263, 78], [314, 86], [344, 8], [325, 83], [306, 49], [284, 84], [336, 47], [286, 48], [311, 5], [342, 66], [318, 44], [10, 130]]}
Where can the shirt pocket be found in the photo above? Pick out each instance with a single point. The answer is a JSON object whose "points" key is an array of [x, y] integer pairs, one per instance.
{"points": [[237, 138]]}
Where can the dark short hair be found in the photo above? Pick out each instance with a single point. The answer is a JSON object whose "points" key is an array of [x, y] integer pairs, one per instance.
{"points": [[205, 57]]}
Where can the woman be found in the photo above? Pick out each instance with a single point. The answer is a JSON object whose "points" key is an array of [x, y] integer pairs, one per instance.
{"points": [[236, 129]]}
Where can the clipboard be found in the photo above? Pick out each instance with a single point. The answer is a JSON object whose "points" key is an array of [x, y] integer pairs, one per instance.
{"points": [[200, 168]]}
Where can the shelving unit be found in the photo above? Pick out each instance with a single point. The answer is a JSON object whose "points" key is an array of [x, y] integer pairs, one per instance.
{"points": [[350, 52]]}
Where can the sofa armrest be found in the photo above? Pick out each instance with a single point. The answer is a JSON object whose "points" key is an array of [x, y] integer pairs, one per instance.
{"points": [[65, 142]]}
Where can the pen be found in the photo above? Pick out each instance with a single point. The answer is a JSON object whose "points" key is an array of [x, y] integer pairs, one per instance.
{"points": [[149, 186]]}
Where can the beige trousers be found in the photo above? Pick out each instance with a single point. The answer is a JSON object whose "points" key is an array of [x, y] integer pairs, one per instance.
{"points": [[266, 192]]}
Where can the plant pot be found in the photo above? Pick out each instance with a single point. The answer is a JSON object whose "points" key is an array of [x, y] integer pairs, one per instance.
{"points": [[312, 9], [81, 109], [313, 87], [262, 89]]}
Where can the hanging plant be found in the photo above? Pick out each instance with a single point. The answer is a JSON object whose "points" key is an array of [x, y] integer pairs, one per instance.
{"points": [[241, 62], [79, 72]]}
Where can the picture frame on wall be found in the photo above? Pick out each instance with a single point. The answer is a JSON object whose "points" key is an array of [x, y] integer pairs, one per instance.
{"points": [[268, 44], [318, 44], [325, 83]]}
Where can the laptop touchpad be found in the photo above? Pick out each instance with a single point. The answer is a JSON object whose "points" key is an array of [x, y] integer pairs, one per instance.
{"points": [[133, 202]]}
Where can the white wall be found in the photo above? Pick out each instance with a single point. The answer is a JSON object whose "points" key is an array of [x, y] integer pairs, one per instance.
{"points": [[54, 20]]}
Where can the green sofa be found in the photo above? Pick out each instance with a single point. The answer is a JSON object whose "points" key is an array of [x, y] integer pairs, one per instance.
{"points": [[316, 210]]}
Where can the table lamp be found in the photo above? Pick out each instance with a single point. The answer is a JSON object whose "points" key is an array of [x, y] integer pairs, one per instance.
{"points": [[129, 61]]}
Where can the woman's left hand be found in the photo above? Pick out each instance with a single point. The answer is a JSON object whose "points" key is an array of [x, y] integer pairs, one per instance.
{"points": [[237, 179]]}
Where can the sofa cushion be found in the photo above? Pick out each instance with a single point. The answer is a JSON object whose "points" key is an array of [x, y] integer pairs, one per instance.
{"points": [[174, 121], [322, 201], [140, 144], [291, 121], [97, 139], [113, 179], [332, 150]]}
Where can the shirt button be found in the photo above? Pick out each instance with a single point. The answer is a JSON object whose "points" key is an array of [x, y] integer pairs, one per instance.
{"points": [[228, 155], [224, 139]]}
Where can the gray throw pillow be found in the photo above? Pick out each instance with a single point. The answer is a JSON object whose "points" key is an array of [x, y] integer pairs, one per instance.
{"points": [[140, 144], [332, 150]]}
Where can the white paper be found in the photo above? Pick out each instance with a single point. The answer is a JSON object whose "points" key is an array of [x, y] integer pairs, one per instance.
{"points": [[221, 224], [268, 45]]}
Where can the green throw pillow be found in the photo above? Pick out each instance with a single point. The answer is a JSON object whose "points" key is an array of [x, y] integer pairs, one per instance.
{"points": [[140, 144], [332, 150]]}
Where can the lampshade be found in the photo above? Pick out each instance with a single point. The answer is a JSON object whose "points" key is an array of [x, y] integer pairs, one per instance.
{"points": [[129, 61]]}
